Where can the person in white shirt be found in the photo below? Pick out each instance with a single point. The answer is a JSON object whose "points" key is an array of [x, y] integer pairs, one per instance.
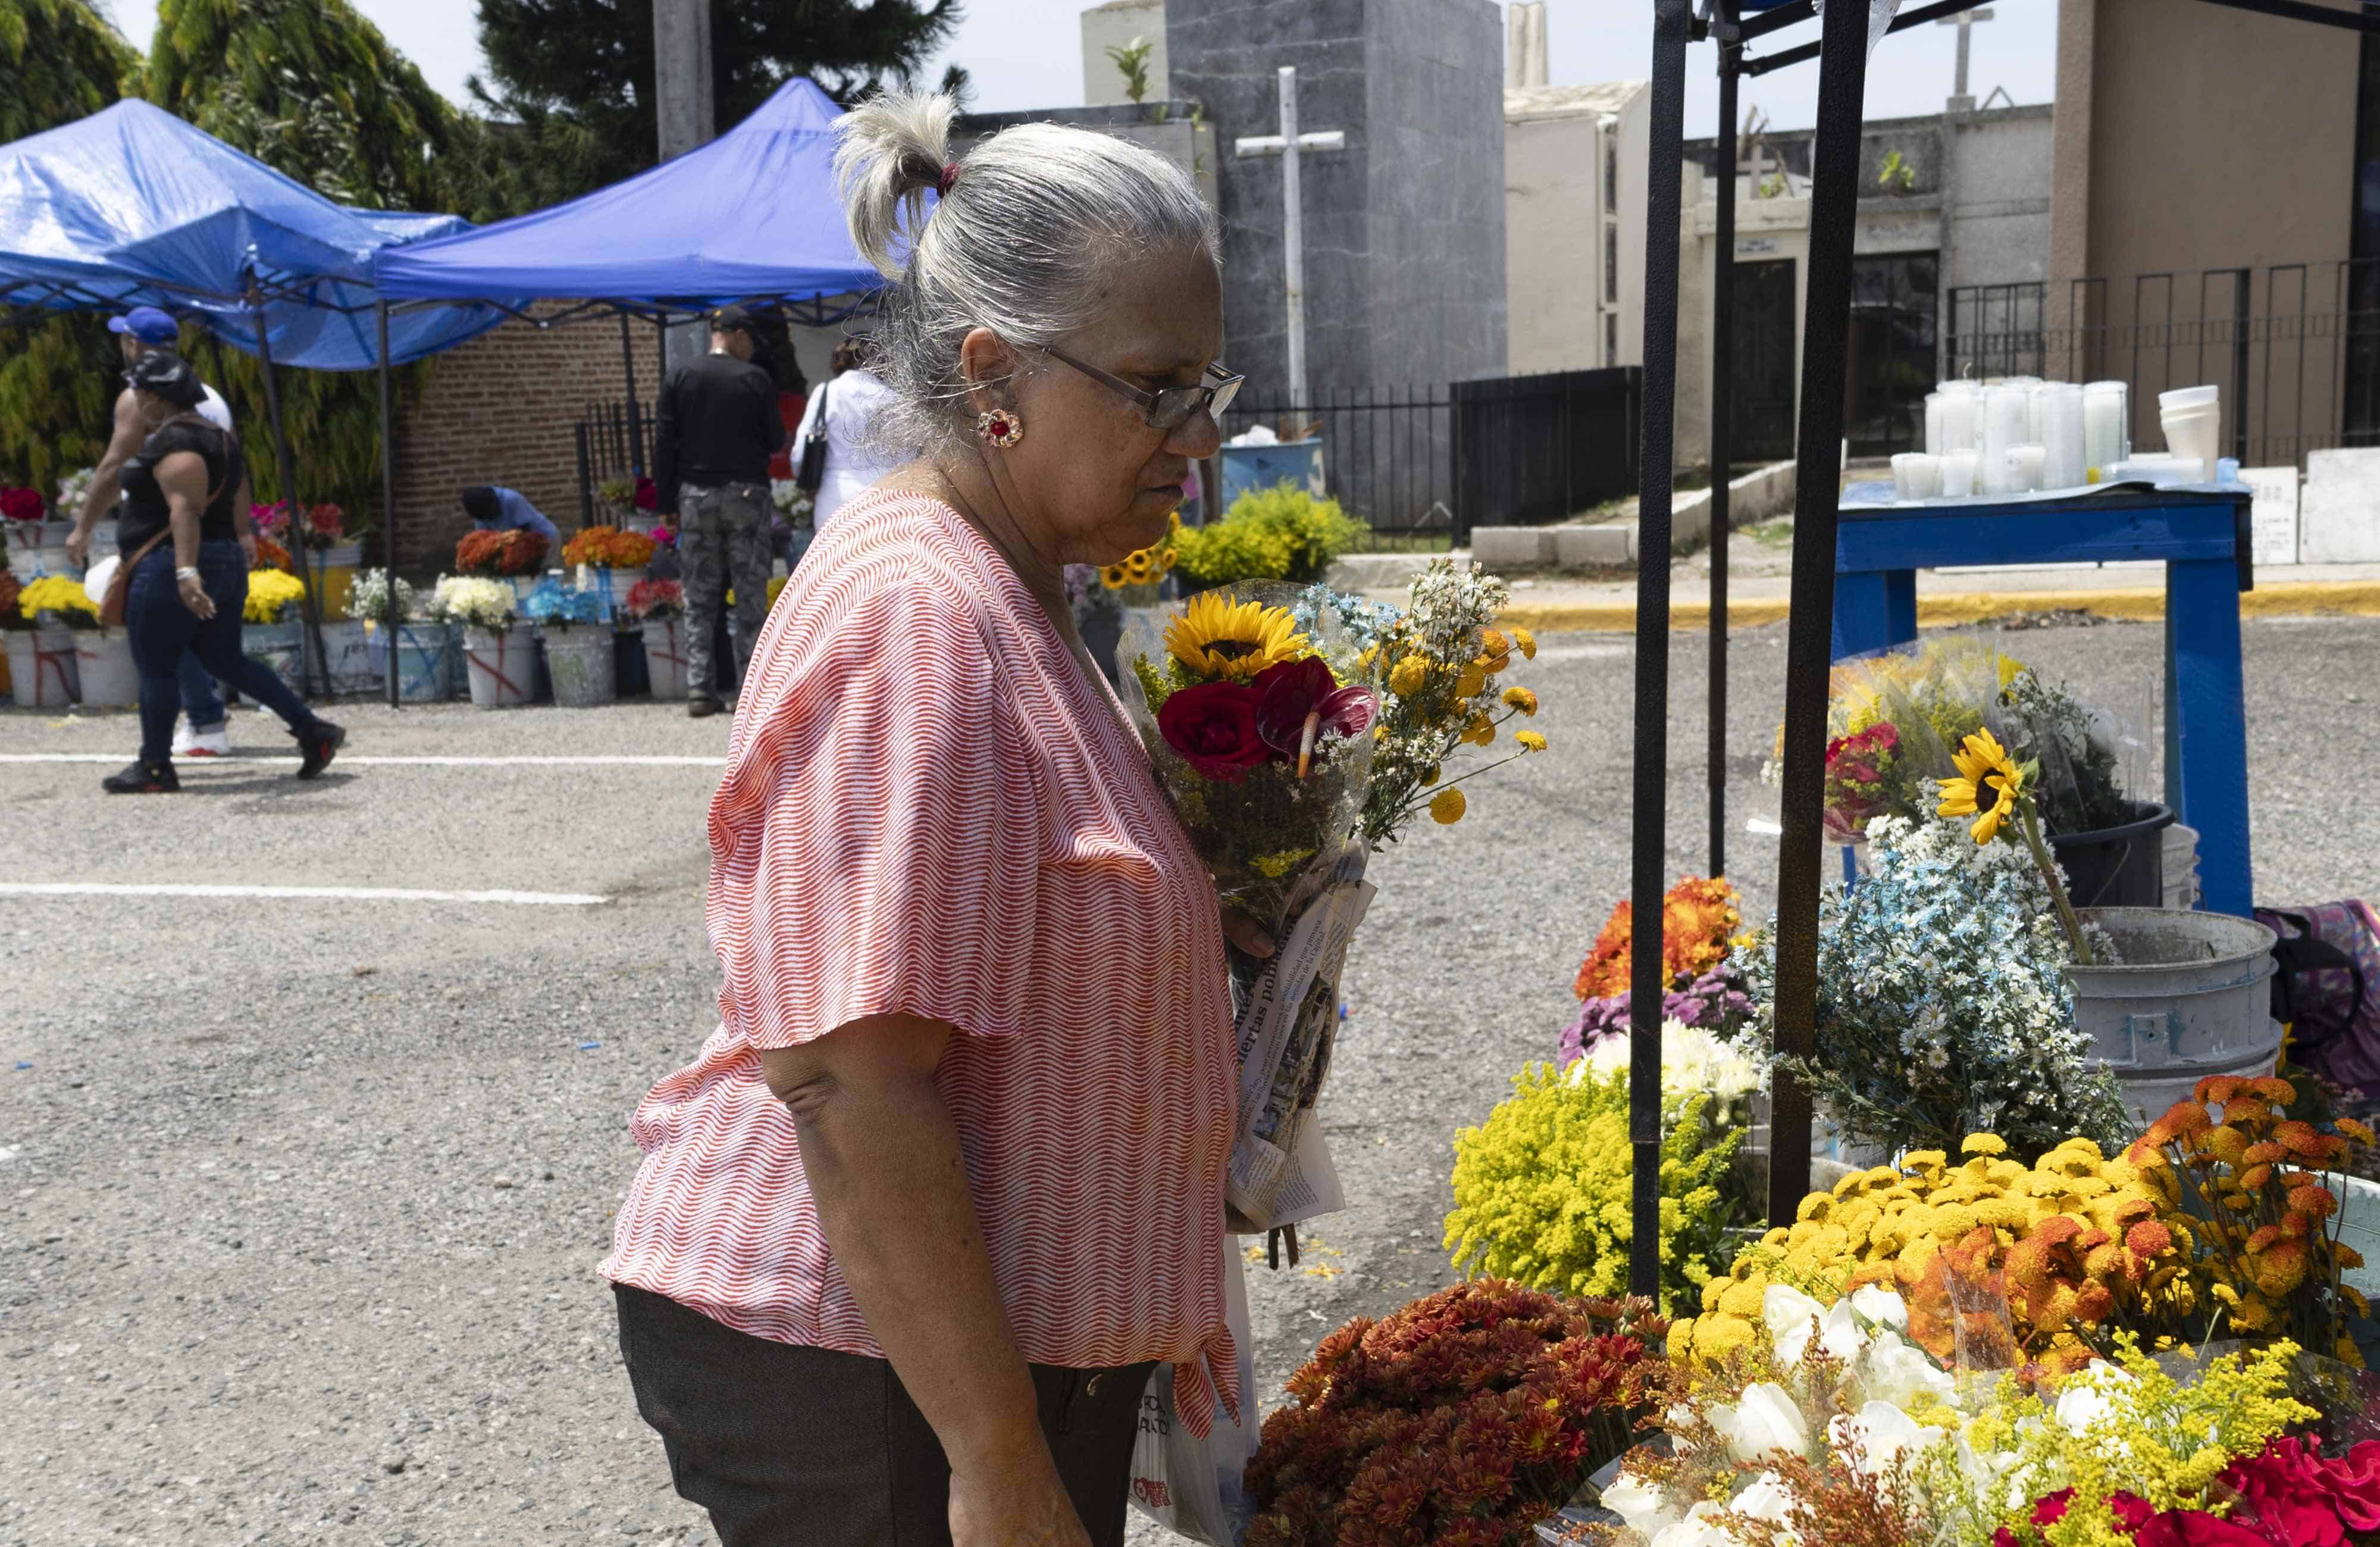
{"points": [[847, 407]]}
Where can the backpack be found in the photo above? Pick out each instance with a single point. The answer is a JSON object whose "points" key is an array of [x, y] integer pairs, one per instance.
{"points": [[2327, 990]]}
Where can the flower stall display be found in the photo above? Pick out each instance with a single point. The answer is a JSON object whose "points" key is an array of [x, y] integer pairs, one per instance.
{"points": [[72, 491], [485, 553], [1702, 986], [1460, 1420], [1943, 1003], [271, 555], [40, 655], [374, 591], [1542, 1189], [22, 505], [58, 601], [353, 651], [271, 631], [578, 638], [610, 562], [500, 661], [657, 608], [272, 597], [406, 638]]}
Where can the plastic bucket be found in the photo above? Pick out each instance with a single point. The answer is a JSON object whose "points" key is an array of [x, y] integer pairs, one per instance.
{"points": [[41, 667], [429, 660], [105, 673], [502, 666], [355, 667], [612, 585], [275, 645], [2117, 866], [628, 674], [665, 656], [580, 660], [334, 576], [2192, 998]]}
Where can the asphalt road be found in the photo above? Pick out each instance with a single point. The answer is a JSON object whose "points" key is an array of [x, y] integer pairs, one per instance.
{"points": [[304, 1197]]}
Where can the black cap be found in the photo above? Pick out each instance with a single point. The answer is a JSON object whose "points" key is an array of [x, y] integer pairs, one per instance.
{"points": [[167, 376], [732, 318]]}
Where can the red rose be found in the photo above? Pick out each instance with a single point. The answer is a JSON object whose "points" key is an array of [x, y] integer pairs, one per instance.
{"points": [[2355, 1486], [2187, 1528], [2050, 1508], [1213, 726]]}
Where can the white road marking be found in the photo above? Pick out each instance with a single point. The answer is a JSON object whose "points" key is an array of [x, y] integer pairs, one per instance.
{"points": [[348, 893], [185, 764]]}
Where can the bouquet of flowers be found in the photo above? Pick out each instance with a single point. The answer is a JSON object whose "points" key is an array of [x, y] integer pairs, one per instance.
{"points": [[609, 548], [271, 595], [558, 606], [791, 501], [500, 552], [271, 556], [616, 494], [21, 505], [269, 519], [650, 598], [1260, 734], [325, 527], [369, 598], [1701, 986], [71, 490], [472, 601]]}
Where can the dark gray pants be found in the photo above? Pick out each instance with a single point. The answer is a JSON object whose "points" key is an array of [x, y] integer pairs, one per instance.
{"points": [[790, 1446]]}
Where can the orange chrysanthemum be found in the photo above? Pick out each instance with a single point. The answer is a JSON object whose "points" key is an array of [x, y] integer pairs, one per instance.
{"points": [[1698, 917]]}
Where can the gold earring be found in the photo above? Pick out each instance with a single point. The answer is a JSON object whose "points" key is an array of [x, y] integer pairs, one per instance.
{"points": [[998, 427]]}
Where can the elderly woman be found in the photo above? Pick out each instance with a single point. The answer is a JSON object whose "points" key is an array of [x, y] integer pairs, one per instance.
{"points": [[946, 1184], [189, 575]]}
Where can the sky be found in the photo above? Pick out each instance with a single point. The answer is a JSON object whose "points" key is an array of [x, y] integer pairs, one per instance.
{"points": [[1006, 45]]}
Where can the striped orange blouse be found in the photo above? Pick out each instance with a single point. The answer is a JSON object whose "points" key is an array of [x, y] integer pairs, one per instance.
{"points": [[928, 809]]}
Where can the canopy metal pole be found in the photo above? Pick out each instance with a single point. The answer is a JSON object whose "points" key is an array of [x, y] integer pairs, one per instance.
{"points": [[1650, 867], [309, 650], [1817, 487], [1722, 407], [390, 619], [635, 429]]}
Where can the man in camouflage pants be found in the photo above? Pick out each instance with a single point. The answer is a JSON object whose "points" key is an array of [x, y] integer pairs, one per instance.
{"points": [[717, 428]]}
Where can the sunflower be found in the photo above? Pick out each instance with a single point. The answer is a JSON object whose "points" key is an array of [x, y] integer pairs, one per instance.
{"points": [[1218, 637], [1984, 766]]}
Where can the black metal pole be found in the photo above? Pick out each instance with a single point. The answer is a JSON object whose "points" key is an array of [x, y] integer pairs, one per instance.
{"points": [[310, 628], [1722, 409], [1817, 485], [390, 618], [1648, 868], [635, 433]]}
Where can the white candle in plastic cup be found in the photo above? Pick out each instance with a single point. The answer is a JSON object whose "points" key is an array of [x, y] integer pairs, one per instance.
{"points": [[2065, 466], [2026, 463], [1960, 403], [2006, 408], [1933, 424], [1958, 475], [1916, 476], [2103, 428]]}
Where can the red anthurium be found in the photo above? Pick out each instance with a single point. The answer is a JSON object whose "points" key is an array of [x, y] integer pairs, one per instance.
{"points": [[1298, 700], [1213, 726]]}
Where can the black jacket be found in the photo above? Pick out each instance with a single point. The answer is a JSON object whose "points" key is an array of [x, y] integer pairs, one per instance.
{"points": [[718, 424]]}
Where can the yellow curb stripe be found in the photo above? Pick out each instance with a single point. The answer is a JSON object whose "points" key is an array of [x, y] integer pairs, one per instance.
{"points": [[2282, 599]]}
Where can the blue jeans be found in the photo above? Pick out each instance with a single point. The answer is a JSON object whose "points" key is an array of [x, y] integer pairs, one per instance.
{"points": [[164, 633], [199, 701]]}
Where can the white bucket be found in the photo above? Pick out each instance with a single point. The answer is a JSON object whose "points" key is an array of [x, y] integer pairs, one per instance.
{"points": [[2193, 998], [665, 656], [429, 660], [612, 585], [578, 659], [105, 673], [41, 667], [275, 645], [502, 666], [354, 664]]}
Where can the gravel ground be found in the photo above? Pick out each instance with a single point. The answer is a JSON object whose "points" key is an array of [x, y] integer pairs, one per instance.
{"points": [[305, 1200]]}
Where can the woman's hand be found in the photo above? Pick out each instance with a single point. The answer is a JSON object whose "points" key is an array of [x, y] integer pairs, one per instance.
{"points": [[1246, 933], [1013, 1511], [194, 595]]}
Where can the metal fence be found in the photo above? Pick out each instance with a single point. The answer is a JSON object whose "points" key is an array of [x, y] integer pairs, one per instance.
{"points": [[614, 440], [2295, 348]]}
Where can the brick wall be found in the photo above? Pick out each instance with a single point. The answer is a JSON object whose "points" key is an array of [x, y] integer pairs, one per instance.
{"points": [[500, 410]]}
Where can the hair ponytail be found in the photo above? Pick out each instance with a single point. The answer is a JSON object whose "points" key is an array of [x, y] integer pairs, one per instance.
{"points": [[890, 151]]}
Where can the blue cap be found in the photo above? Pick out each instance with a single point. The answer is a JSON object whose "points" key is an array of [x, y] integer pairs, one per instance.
{"points": [[147, 325]]}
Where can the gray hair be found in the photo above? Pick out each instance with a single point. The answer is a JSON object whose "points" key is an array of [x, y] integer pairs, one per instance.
{"points": [[1022, 244]]}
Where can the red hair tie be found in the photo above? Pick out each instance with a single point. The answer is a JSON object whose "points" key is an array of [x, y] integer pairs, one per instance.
{"points": [[949, 174]]}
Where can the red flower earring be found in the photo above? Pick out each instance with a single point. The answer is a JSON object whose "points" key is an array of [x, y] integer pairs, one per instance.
{"points": [[1000, 428]]}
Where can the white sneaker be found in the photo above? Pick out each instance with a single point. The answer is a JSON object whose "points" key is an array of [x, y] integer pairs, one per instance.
{"points": [[194, 741]]}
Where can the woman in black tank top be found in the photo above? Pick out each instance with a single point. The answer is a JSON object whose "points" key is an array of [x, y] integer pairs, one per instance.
{"points": [[189, 582]]}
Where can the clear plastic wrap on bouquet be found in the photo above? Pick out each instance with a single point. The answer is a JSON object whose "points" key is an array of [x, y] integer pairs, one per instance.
{"points": [[1258, 724]]}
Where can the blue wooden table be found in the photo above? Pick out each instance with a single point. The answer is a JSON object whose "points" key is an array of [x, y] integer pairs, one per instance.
{"points": [[2200, 532]]}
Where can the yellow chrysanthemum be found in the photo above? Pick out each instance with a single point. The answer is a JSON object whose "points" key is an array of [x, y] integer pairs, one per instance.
{"points": [[1982, 1144], [1525, 642], [1533, 741], [1446, 807], [1988, 788], [1218, 637], [1408, 675], [1472, 683], [1522, 700], [1481, 731]]}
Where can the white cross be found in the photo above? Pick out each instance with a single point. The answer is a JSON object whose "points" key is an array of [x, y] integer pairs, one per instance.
{"points": [[1965, 22], [1288, 145]]}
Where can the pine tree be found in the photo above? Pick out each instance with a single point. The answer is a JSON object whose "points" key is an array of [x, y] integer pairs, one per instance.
{"points": [[60, 60], [577, 76]]}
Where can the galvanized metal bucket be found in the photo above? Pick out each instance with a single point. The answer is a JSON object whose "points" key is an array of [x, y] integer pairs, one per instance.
{"points": [[2192, 998]]}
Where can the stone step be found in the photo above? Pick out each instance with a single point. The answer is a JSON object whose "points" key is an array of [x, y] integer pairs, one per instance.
{"points": [[1757, 496]]}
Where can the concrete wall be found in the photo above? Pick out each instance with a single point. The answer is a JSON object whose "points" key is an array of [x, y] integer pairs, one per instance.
{"points": [[1554, 218], [1403, 230], [1766, 230], [1999, 192], [1116, 24]]}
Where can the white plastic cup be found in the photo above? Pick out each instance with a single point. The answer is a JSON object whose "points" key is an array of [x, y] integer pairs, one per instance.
{"points": [[1958, 475], [1916, 475], [2105, 407], [2024, 467], [2194, 435], [2006, 410], [1961, 404], [1933, 424], [2065, 467], [2191, 397]]}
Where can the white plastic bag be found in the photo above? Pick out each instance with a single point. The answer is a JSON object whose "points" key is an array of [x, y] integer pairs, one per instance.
{"points": [[1189, 1485]]}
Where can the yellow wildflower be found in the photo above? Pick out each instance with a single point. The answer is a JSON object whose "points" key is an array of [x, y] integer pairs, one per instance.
{"points": [[1533, 741], [1472, 683], [1984, 1144], [1446, 807], [1527, 643], [1522, 700], [1408, 675]]}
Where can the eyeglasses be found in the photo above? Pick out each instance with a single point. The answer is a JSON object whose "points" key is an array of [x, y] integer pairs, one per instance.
{"points": [[1171, 408]]}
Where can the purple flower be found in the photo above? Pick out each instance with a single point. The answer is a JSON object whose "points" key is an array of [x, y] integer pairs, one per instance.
{"points": [[1715, 1002]]}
